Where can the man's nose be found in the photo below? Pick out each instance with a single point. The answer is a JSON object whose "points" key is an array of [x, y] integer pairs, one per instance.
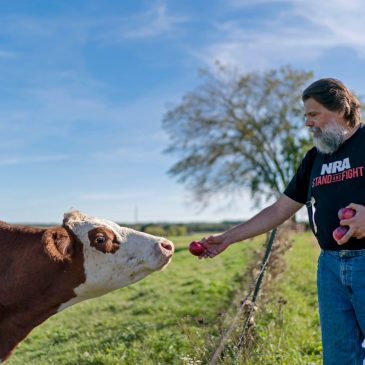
{"points": [[309, 122]]}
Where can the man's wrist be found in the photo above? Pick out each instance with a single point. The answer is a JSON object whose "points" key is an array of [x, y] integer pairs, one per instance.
{"points": [[227, 238]]}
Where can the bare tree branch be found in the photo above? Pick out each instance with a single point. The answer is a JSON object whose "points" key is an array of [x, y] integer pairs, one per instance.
{"points": [[239, 131]]}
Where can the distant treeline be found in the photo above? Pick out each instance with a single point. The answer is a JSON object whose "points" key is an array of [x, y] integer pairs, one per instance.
{"points": [[181, 229]]}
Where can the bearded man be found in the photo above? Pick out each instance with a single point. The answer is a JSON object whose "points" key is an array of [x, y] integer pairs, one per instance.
{"points": [[330, 177]]}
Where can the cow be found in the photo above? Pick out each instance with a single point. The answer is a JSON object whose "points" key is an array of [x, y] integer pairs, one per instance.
{"points": [[45, 270]]}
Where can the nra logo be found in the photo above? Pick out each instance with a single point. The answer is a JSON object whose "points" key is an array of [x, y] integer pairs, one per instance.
{"points": [[337, 166]]}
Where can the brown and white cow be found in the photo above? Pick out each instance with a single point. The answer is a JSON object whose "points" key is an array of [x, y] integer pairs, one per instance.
{"points": [[45, 270]]}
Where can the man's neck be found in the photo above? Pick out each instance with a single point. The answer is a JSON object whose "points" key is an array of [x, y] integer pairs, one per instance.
{"points": [[352, 131]]}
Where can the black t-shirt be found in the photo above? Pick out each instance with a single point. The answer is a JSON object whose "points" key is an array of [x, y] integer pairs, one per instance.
{"points": [[337, 180]]}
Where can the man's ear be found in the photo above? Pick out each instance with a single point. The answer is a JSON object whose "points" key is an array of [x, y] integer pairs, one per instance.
{"points": [[58, 244]]}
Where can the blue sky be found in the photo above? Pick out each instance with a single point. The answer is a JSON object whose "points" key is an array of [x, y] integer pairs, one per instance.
{"points": [[84, 86]]}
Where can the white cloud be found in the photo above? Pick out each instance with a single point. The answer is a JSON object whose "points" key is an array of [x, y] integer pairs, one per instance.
{"points": [[245, 3], [81, 121], [154, 22], [114, 196], [260, 50], [72, 32], [299, 31], [342, 18], [21, 160], [142, 150]]}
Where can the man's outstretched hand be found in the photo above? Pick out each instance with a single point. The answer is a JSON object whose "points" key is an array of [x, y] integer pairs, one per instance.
{"points": [[214, 245]]}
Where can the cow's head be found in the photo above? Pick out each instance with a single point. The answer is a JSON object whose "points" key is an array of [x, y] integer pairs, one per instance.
{"points": [[114, 256]]}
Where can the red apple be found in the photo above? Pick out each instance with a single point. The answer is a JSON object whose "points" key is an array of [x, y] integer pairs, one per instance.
{"points": [[345, 213], [339, 232], [196, 248]]}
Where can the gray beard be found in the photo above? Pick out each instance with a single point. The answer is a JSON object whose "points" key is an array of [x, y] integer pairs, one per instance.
{"points": [[330, 138]]}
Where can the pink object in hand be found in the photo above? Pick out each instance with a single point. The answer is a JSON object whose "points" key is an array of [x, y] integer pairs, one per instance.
{"points": [[339, 232], [196, 248], [345, 213]]}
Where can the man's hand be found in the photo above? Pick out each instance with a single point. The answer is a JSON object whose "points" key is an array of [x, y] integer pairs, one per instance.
{"points": [[356, 224], [214, 245]]}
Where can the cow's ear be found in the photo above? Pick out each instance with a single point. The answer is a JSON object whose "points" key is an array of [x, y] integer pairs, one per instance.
{"points": [[58, 244]]}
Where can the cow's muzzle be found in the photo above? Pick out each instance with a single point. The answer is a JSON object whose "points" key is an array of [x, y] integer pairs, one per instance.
{"points": [[167, 247]]}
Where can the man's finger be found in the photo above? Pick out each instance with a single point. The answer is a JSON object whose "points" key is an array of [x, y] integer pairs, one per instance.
{"points": [[354, 206], [346, 237], [346, 222]]}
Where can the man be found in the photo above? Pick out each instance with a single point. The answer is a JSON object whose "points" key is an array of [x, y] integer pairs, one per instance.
{"points": [[331, 176]]}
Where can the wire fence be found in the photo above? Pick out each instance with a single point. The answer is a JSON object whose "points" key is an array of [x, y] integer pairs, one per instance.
{"points": [[247, 306]]}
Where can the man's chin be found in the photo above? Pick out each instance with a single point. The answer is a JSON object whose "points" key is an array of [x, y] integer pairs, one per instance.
{"points": [[323, 147]]}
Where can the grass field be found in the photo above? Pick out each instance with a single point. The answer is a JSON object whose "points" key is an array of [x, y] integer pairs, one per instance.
{"points": [[288, 325], [170, 317]]}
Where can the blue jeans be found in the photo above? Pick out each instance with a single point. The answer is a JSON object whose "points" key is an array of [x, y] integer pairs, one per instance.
{"points": [[341, 298]]}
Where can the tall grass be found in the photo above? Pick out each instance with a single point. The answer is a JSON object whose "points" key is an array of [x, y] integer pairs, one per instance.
{"points": [[287, 325]]}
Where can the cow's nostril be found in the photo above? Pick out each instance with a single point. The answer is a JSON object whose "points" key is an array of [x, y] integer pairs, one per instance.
{"points": [[166, 245]]}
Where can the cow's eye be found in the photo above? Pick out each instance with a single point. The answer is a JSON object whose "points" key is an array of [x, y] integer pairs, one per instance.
{"points": [[100, 239]]}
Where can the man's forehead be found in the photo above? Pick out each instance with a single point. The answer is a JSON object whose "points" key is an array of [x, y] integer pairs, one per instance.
{"points": [[311, 106]]}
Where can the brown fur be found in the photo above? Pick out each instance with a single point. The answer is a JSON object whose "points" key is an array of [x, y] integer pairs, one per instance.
{"points": [[39, 268], [110, 244]]}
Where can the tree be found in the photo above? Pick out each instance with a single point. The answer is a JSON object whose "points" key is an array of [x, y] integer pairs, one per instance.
{"points": [[239, 131], [154, 229]]}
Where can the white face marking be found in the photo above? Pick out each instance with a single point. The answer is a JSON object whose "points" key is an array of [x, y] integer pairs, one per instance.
{"points": [[138, 255]]}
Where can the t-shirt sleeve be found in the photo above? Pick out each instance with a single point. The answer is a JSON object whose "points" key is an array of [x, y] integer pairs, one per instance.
{"points": [[299, 184]]}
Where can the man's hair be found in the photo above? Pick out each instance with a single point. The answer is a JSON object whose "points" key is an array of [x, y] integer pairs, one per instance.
{"points": [[335, 96]]}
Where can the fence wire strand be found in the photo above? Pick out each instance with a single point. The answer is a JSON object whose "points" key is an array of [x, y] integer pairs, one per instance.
{"points": [[253, 294]]}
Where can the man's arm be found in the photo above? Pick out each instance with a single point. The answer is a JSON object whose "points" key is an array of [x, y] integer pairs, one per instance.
{"points": [[264, 221]]}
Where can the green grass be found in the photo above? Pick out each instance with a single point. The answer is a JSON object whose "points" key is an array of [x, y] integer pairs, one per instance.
{"points": [[170, 317], [288, 326]]}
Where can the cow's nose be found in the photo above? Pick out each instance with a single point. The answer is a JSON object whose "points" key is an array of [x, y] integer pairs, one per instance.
{"points": [[167, 245]]}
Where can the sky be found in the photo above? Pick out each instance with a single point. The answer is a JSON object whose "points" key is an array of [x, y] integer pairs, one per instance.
{"points": [[84, 86]]}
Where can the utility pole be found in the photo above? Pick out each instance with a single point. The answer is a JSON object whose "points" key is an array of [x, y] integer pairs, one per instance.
{"points": [[135, 214]]}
